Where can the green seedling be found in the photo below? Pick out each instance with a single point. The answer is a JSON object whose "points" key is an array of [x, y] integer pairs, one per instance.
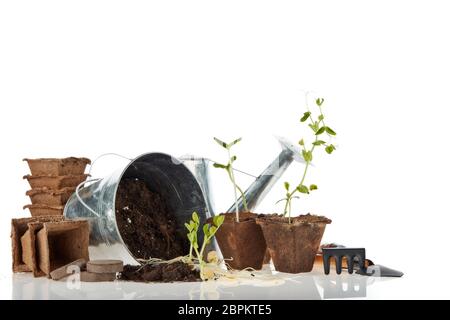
{"points": [[208, 231], [319, 130], [229, 169]]}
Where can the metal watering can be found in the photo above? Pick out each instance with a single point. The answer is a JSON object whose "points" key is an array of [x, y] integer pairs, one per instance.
{"points": [[183, 183]]}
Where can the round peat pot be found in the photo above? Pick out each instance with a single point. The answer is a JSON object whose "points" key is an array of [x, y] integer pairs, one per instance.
{"points": [[162, 174]]}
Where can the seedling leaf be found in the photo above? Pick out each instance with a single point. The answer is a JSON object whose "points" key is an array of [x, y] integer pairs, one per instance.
{"points": [[329, 149], [218, 165], [218, 220], [318, 142], [303, 189], [330, 131], [319, 101], [307, 155], [195, 217], [286, 186], [320, 131], [221, 143], [206, 230], [305, 117], [234, 142]]}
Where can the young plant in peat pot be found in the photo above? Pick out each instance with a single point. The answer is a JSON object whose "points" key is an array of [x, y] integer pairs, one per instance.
{"points": [[240, 239], [293, 242]]}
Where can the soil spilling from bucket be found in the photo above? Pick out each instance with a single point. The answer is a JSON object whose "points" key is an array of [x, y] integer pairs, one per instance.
{"points": [[177, 271], [146, 226]]}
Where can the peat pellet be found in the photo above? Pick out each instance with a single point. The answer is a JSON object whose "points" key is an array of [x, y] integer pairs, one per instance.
{"points": [[62, 272], [96, 277], [104, 266]]}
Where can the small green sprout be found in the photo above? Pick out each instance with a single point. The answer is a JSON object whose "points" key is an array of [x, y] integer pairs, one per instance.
{"points": [[208, 231], [229, 169], [318, 127]]}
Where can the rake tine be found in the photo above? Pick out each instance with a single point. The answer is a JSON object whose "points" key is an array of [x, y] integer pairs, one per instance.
{"points": [[326, 263], [350, 264], [338, 264]]}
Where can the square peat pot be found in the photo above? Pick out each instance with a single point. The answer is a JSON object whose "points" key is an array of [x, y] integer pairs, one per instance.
{"points": [[59, 243], [19, 228]]}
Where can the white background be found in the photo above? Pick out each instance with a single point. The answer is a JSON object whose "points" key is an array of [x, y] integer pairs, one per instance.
{"points": [[81, 78]]}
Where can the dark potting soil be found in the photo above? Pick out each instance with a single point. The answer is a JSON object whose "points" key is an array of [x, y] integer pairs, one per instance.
{"points": [[145, 224], [177, 271]]}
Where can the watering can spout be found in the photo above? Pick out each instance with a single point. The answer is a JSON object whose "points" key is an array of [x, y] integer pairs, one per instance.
{"points": [[258, 189], [267, 179]]}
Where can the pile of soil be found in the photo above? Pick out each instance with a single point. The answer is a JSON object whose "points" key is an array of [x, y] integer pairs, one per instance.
{"points": [[147, 227], [177, 271]]}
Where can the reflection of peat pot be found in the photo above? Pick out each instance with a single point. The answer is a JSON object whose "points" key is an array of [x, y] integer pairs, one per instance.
{"points": [[125, 229]]}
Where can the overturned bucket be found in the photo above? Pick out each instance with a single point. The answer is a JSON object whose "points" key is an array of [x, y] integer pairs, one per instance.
{"points": [[162, 174]]}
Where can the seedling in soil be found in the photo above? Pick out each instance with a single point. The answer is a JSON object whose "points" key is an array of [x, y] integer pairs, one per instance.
{"points": [[208, 231], [229, 169], [319, 129]]}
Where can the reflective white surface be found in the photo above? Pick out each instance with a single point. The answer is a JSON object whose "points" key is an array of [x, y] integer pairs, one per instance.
{"points": [[314, 285]]}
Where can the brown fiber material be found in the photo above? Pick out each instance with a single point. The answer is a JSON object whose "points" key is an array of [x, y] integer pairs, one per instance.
{"points": [[33, 229], [104, 266], [243, 241], [67, 270], [97, 277], [26, 243], [18, 228], [293, 247], [267, 257], [50, 197], [62, 242], [57, 167], [38, 210], [55, 182]]}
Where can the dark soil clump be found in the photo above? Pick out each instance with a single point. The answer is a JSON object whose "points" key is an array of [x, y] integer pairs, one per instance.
{"points": [[177, 271], [146, 226]]}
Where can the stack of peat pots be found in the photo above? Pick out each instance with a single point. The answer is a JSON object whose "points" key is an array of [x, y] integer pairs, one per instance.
{"points": [[52, 183], [46, 241]]}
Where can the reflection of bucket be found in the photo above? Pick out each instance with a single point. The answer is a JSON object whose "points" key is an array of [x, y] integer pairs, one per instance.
{"points": [[162, 174]]}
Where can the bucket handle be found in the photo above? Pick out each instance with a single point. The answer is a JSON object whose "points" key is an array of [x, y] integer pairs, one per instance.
{"points": [[77, 190], [77, 193], [104, 155]]}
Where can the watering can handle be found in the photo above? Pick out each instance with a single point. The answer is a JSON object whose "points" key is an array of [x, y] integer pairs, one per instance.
{"points": [[77, 193]]}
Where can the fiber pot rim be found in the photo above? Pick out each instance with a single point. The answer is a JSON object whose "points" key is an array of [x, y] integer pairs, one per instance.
{"points": [[230, 217], [81, 159], [52, 192], [295, 221]]}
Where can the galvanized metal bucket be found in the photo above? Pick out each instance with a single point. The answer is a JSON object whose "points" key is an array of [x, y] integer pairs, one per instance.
{"points": [[96, 202]]}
